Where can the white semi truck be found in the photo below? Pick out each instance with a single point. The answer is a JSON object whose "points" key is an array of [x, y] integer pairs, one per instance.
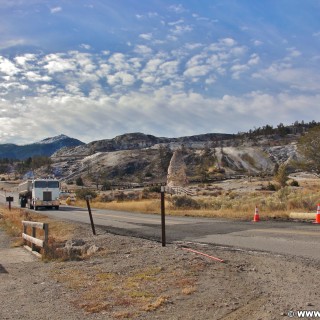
{"points": [[39, 193]]}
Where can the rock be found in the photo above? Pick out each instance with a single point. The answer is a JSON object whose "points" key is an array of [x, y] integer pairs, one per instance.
{"points": [[177, 176], [74, 243], [92, 249], [74, 248]]}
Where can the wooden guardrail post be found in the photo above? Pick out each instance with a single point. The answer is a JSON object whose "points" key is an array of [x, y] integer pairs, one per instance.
{"points": [[33, 246], [88, 197], [33, 238], [163, 218]]}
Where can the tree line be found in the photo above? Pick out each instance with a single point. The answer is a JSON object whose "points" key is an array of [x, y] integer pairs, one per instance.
{"points": [[281, 129]]}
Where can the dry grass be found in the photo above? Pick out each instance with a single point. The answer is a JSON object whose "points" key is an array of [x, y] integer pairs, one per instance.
{"points": [[144, 206], [230, 204], [135, 290], [188, 290], [155, 304], [11, 222]]}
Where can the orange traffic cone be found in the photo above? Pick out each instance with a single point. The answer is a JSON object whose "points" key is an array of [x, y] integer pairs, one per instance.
{"points": [[318, 214], [256, 217]]}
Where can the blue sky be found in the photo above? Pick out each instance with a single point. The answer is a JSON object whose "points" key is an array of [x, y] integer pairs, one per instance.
{"points": [[94, 69]]}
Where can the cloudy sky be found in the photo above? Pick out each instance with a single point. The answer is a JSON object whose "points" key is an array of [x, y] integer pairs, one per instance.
{"points": [[94, 69]]}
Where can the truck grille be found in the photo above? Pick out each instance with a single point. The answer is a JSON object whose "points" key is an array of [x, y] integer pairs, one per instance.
{"points": [[47, 196]]}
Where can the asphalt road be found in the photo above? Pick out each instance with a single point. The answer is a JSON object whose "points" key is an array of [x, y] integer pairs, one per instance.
{"points": [[292, 238]]}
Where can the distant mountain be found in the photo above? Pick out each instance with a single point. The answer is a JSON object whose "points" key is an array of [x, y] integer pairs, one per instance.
{"points": [[44, 147], [137, 141]]}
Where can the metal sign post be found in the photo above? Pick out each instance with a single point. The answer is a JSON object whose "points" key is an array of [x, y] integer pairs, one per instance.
{"points": [[9, 199], [163, 218], [90, 214]]}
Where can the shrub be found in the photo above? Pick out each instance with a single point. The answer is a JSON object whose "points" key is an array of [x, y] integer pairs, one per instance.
{"points": [[148, 175], [120, 196], [294, 183], [271, 187], [154, 189], [106, 198], [150, 192], [82, 193], [79, 182], [106, 186], [185, 202]]}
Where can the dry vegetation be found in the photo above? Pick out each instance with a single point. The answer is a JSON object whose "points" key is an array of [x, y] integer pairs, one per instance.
{"points": [[136, 289], [11, 222], [235, 200]]}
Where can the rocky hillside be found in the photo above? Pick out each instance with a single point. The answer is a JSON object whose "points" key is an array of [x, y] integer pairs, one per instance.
{"points": [[133, 141], [136, 158], [44, 147]]}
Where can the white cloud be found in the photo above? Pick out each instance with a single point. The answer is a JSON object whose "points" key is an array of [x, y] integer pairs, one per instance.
{"points": [[46, 89], [174, 23], [210, 80], [85, 46], [169, 68], [122, 78], [118, 60], [254, 59], [23, 60], [190, 113], [192, 46], [196, 60], [141, 83], [229, 42], [7, 67], [55, 10], [146, 36], [295, 78], [177, 8], [238, 51], [56, 63], [257, 43], [152, 14], [143, 50], [35, 77], [180, 29], [293, 52], [237, 69], [197, 71], [152, 65], [172, 38], [74, 89]]}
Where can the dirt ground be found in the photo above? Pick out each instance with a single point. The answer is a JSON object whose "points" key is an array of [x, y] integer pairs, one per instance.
{"points": [[131, 278]]}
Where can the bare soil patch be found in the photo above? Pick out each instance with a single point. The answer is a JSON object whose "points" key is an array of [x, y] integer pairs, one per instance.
{"points": [[131, 278]]}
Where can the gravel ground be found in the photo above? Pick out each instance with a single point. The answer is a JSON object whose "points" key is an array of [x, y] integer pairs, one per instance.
{"points": [[131, 278]]}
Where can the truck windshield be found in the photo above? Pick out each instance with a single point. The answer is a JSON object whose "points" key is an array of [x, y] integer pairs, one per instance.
{"points": [[46, 184]]}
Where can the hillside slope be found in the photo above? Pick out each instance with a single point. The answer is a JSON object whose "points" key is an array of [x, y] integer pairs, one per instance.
{"points": [[137, 158]]}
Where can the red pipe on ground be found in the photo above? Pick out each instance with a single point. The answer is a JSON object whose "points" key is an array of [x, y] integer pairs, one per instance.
{"points": [[203, 254]]}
